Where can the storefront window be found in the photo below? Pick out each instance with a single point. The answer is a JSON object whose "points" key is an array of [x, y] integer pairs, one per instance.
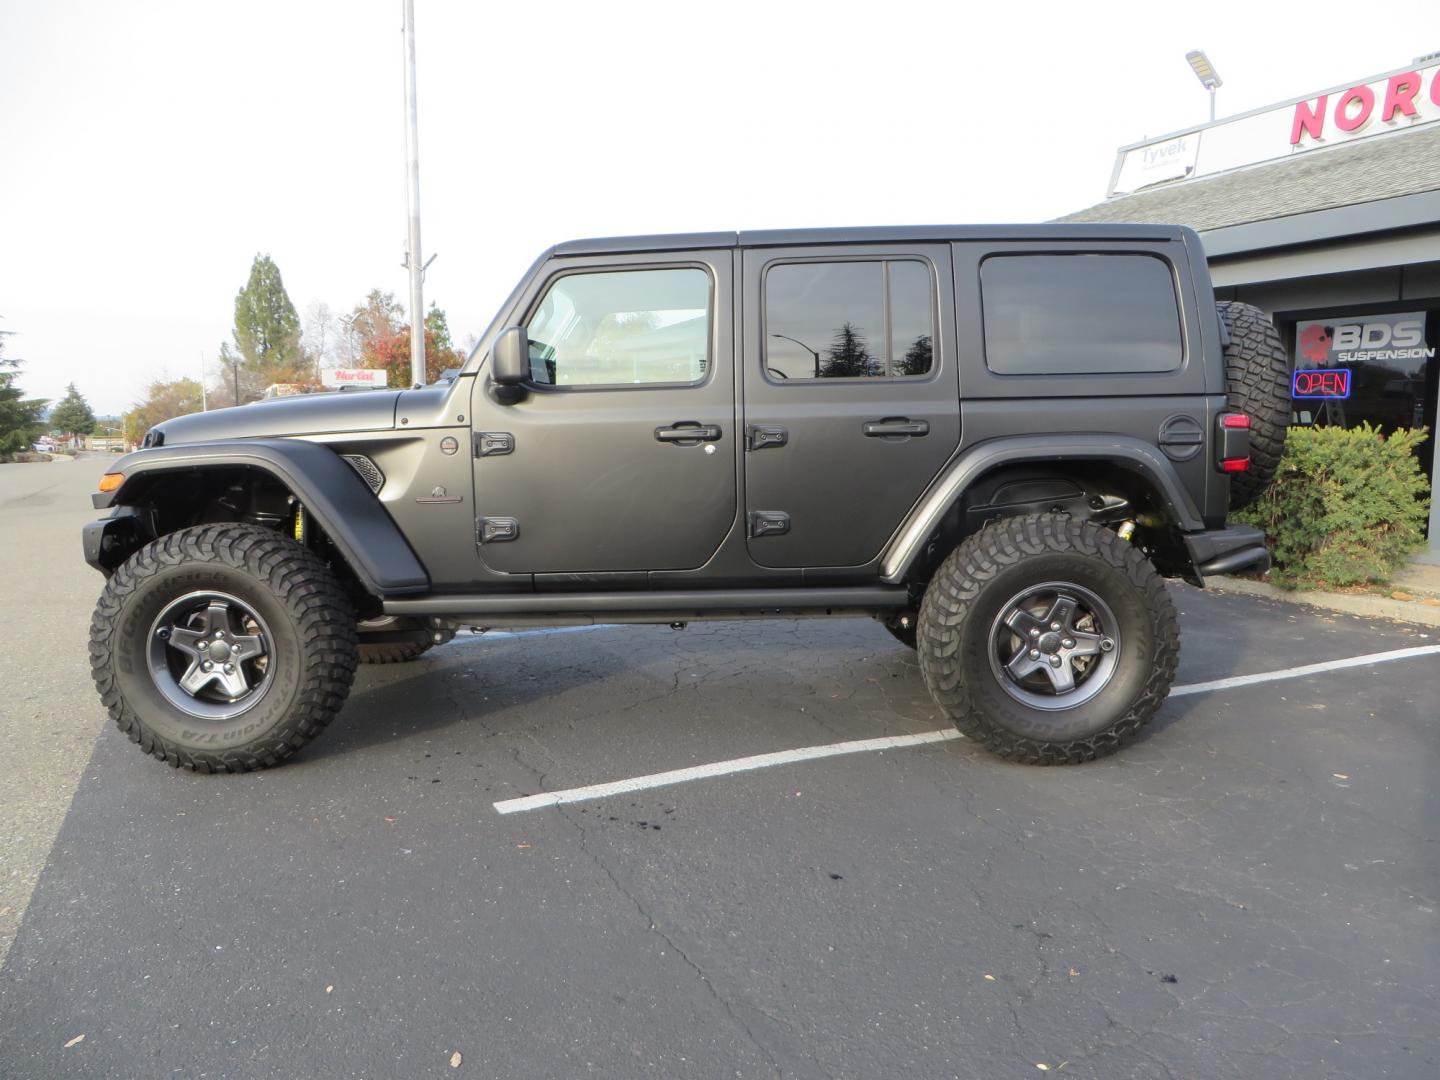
{"points": [[1379, 369]]}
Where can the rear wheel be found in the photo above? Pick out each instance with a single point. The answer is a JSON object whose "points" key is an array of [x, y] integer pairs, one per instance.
{"points": [[1049, 640], [222, 648]]}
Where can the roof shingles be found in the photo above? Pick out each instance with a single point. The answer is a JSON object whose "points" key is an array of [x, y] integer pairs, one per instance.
{"points": [[1380, 168]]}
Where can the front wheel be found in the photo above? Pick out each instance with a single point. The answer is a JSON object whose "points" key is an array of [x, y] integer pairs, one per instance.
{"points": [[222, 648], [1050, 641]]}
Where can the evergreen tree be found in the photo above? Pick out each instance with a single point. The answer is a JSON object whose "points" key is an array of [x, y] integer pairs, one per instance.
{"points": [[918, 357], [267, 331], [73, 415], [848, 356], [20, 422]]}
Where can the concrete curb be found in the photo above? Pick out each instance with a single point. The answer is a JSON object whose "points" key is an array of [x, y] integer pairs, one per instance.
{"points": [[1369, 607]]}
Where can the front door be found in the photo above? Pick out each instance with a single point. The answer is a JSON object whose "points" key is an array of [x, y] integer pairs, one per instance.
{"points": [[619, 453], [851, 399]]}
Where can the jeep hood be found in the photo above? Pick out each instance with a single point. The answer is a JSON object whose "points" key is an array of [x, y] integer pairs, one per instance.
{"points": [[306, 414]]}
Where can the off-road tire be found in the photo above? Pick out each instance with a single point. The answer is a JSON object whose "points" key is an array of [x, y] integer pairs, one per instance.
{"points": [[399, 652], [1257, 380], [391, 652], [313, 649], [965, 598]]}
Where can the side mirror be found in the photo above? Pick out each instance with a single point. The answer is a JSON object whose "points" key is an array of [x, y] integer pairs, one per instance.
{"points": [[510, 358]]}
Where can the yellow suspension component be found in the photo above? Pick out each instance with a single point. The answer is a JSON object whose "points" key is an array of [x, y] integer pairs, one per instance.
{"points": [[1126, 530], [299, 523]]}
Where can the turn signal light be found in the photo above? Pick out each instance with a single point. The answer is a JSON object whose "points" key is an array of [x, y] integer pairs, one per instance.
{"points": [[111, 480], [1235, 464]]}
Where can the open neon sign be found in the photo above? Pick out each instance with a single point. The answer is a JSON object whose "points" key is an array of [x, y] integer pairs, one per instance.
{"points": [[1329, 384]]}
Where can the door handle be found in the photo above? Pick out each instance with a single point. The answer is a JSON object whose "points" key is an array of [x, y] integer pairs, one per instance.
{"points": [[891, 427], [688, 431]]}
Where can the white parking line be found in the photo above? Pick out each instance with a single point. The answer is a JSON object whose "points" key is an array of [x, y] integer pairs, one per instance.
{"points": [[720, 768], [896, 742], [1308, 669]]}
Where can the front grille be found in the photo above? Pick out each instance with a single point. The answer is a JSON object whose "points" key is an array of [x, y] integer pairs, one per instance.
{"points": [[368, 470]]}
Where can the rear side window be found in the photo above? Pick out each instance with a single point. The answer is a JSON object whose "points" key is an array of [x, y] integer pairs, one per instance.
{"points": [[1079, 314], [849, 320]]}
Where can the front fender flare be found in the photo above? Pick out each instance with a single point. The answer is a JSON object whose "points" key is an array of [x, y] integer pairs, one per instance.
{"points": [[1130, 453], [331, 491]]}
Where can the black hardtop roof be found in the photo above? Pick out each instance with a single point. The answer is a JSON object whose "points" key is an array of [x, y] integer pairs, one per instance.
{"points": [[868, 235]]}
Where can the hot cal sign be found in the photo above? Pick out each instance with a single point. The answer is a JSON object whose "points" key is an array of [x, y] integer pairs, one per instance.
{"points": [[1367, 109]]}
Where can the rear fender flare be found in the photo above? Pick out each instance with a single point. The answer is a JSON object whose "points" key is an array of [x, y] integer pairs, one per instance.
{"points": [[332, 492], [1135, 455]]}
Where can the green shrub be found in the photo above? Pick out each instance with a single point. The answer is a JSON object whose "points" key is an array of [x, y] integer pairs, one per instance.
{"points": [[1347, 506]]}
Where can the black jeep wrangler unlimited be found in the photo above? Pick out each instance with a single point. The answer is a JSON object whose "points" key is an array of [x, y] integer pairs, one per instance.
{"points": [[994, 440]]}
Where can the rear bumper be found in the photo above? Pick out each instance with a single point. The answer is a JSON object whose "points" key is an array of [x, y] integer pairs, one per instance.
{"points": [[1224, 551]]}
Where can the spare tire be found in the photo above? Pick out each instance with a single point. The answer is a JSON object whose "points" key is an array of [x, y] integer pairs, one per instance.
{"points": [[1257, 379]]}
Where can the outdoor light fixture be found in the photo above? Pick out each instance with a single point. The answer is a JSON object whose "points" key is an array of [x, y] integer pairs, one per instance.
{"points": [[1206, 73]]}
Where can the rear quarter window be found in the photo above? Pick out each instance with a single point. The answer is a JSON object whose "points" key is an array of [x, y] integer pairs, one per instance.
{"points": [[1081, 314]]}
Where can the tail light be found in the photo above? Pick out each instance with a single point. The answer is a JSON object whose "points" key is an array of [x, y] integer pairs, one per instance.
{"points": [[1233, 445]]}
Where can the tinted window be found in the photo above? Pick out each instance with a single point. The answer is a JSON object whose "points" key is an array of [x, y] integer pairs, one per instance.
{"points": [[1079, 314], [848, 320], [622, 327]]}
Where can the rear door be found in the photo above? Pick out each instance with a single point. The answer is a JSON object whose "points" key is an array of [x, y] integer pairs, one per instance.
{"points": [[850, 396]]}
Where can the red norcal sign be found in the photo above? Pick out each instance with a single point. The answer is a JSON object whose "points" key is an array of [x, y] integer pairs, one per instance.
{"points": [[1404, 95]]}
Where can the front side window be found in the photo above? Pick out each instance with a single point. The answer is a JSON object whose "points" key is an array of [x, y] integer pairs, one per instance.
{"points": [[849, 320], [622, 328]]}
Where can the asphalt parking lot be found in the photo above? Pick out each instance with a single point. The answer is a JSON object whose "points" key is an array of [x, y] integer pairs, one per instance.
{"points": [[1250, 891]]}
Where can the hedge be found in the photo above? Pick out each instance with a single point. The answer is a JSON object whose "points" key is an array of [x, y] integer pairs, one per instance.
{"points": [[1347, 507]]}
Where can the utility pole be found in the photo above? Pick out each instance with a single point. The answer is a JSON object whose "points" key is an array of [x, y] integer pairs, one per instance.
{"points": [[204, 401], [413, 260]]}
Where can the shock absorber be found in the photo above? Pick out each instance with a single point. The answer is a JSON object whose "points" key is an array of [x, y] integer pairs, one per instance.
{"points": [[299, 523]]}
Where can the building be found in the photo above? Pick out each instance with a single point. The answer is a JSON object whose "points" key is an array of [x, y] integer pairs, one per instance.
{"points": [[1325, 212]]}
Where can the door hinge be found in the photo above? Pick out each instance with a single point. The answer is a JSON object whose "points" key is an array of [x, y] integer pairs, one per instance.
{"points": [[769, 523], [498, 530], [760, 436], [494, 443]]}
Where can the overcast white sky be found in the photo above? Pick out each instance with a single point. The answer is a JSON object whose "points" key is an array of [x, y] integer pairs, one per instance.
{"points": [[148, 150]]}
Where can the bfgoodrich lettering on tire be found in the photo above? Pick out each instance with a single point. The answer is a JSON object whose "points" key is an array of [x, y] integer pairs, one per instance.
{"points": [[223, 648], [1050, 641]]}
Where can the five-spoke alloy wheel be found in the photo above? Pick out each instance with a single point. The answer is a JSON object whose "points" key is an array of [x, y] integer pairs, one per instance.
{"points": [[1048, 640], [223, 647]]}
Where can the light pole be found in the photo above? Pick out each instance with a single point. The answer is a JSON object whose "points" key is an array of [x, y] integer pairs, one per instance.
{"points": [[1206, 73], [807, 348], [413, 261]]}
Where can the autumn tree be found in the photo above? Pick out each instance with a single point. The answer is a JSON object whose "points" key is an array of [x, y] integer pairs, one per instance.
{"points": [[20, 423], [73, 415], [384, 340], [164, 400]]}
